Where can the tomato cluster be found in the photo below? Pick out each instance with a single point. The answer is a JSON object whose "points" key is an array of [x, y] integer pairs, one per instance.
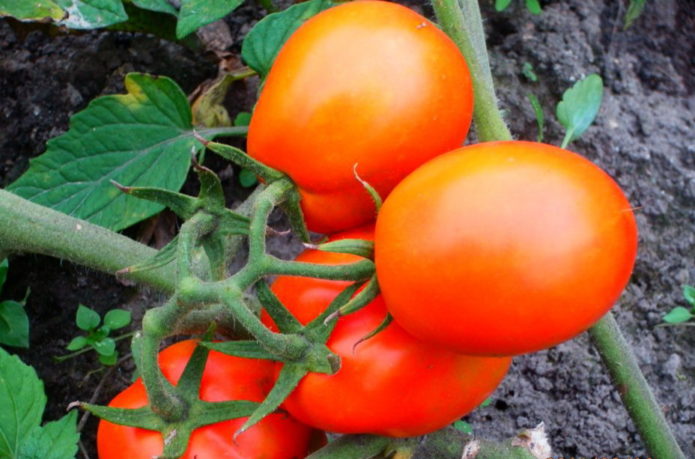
{"points": [[482, 252]]}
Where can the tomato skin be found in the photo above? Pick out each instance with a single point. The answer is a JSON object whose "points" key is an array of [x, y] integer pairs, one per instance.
{"points": [[391, 384], [225, 378], [513, 246], [368, 83]]}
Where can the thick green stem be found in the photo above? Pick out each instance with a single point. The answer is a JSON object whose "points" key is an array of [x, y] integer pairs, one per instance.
{"points": [[635, 392], [461, 20], [29, 227]]}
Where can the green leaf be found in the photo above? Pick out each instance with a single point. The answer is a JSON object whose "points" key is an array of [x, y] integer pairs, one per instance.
{"points": [[106, 346], [634, 11], [4, 267], [36, 10], [486, 402], [264, 41], [117, 318], [109, 359], [87, 319], [242, 119], [501, 5], [538, 111], [55, 440], [161, 6], [579, 106], [22, 400], [678, 315], [464, 427], [689, 294], [534, 6], [144, 137], [247, 178], [77, 343], [528, 72], [14, 324], [92, 14], [197, 13]]}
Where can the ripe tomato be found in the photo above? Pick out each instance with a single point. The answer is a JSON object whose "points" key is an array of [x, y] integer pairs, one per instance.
{"points": [[368, 83], [391, 384], [225, 378], [504, 248]]}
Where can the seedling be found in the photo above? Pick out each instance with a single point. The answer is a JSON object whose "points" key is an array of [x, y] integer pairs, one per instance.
{"points": [[97, 337], [634, 11], [14, 323], [532, 5], [679, 314], [579, 107]]}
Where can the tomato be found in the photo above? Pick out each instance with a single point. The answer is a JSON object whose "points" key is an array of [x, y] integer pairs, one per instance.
{"points": [[367, 83], [225, 378], [391, 384], [504, 248]]}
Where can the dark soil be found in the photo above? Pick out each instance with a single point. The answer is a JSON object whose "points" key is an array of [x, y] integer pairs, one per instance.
{"points": [[643, 137]]}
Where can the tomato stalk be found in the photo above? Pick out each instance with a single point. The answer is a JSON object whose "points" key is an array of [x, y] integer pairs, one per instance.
{"points": [[462, 21]]}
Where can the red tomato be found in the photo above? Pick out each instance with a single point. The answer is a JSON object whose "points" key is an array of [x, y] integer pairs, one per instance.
{"points": [[391, 384], [225, 378], [368, 83], [504, 248]]}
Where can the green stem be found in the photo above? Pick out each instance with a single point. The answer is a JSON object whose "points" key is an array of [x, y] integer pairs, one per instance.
{"points": [[637, 397], [223, 131], [461, 20], [62, 358], [29, 227]]}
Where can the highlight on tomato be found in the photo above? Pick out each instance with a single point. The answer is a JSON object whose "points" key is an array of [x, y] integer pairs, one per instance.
{"points": [[504, 248], [366, 84], [225, 378], [391, 384]]}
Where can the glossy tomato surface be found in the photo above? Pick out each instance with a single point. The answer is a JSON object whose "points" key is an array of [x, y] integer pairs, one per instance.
{"points": [[225, 378], [504, 248], [366, 83], [392, 384]]}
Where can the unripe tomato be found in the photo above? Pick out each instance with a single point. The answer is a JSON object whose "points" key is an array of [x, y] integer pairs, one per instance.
{"points": [[504, 248], [366, 83], [225, 378], [392, 384]]}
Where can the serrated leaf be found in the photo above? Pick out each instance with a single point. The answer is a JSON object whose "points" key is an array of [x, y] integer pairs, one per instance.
{"points": [[55, 440], [143, 138], [678, 315], [540, 117], [106, 346], [87, 319], [501, 5], [264, 41], [4, 267], [197, 13], [117, 318], [14, 324], [36, 10], [579, 106], [77, 343], [92, 14], [22, 400], [634, 11], [161, 6], [534, 6], [689, 294]]}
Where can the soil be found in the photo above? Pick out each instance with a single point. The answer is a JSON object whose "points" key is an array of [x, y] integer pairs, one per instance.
{"points": [[643, 137]]}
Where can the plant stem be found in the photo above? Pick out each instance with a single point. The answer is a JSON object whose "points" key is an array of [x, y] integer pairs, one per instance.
{"points": [[223, 131], [29, 227], [635, 392], [62, 358], [461, 20]]}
